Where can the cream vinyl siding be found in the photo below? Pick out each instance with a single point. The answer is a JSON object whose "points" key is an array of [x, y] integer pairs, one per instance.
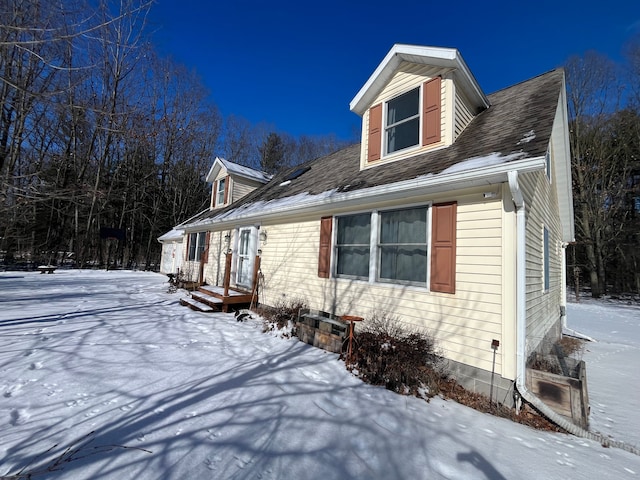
{"points": [[408, 77], [463, 114], [464, 324], [214, 269], [241, 188], [542, 211]]}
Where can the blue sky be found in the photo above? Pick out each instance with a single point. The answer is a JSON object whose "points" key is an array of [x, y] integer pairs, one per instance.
{"points": [[296, 65]]}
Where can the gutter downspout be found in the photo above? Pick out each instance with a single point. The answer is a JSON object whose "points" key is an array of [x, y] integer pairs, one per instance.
{"points": [[563, 286], [521, 336]]}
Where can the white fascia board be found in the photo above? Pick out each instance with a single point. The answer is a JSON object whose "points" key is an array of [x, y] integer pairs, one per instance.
{"points": [[441, 57], [218, 163], [174, 235], [562, 170], [236, 169], [424, 185]]}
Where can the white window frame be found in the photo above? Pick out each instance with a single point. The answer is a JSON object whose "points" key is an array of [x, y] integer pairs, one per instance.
{"points": [[249, 256], [197, 244], [220, 191], [336, 245], [379, 246], [374, 248], [386, 127]]}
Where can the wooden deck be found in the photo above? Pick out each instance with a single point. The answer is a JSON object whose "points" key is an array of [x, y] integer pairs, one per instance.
{"points": [[210, 298]]}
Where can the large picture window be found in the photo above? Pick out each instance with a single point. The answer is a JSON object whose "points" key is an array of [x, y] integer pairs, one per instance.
{"points": [[353, 245], [412, 246], [403, 245], [402, 126]]}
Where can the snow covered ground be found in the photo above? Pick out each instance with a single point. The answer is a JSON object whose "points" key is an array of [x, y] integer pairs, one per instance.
{"points": [[201, 396]]}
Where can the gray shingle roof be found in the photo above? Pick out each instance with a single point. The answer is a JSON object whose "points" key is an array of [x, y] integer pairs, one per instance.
{"points": [[518, 124]]}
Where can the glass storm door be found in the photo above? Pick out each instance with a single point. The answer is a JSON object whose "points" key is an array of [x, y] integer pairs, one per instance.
{"points": [[246, 257]]}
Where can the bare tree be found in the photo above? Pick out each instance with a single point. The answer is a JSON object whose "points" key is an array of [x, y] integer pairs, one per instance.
{"points": [[599, 165]]}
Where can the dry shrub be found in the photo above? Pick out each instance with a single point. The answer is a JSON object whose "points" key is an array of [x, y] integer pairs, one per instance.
{"points": [[406, 361], [571, 346], [282, 314], [402, 359], [562, 358]]}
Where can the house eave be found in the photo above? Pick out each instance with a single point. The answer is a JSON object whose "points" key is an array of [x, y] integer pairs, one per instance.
{"points": [[420, 186]]}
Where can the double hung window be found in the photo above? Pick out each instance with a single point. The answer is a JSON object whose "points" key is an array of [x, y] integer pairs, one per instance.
{"points": [[409, 120], [414, 246], [402, 126], [196, 246], [353, 245], [400, 252], [220, 191], [403, 245]]}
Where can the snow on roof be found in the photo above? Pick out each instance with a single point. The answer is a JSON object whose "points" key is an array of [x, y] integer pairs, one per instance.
{"points": [[171, 236], [264, 207], [467, 168], [246, 172], [530, 135], [494, 158]]}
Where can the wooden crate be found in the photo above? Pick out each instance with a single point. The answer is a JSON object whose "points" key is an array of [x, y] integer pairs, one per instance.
{"points": [[567, 396]]}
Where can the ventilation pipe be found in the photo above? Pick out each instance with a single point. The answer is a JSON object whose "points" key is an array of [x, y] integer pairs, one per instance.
{"points": [[521, 336]]}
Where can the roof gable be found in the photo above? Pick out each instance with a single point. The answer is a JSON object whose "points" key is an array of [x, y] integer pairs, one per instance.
{"points": [[446, 58], [237, 170]]}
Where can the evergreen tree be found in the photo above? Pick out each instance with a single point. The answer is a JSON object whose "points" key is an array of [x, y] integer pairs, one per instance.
{"points": [[272, 154]]}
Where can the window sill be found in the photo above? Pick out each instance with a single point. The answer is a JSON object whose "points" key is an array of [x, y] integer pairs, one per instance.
{"points": [[413, 287]]}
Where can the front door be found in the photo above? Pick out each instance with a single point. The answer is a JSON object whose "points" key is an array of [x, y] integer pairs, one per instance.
{"points": [[246, 256]]}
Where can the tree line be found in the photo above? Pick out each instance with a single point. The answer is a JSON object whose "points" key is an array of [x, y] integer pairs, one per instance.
{"points": [[100, 134], [604, 109], [104, 144]]}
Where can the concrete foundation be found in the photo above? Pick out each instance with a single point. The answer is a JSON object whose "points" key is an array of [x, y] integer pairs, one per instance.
{"points": [[479, 381]]}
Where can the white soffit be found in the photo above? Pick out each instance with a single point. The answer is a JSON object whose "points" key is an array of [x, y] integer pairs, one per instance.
{"points": [[436, 56]]}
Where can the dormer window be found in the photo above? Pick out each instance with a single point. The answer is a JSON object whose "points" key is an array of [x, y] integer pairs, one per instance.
{"points": [[411, 119], [221, 191], [402, 128]]}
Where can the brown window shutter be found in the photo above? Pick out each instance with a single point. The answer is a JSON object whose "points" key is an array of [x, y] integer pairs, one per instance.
{"points": [[431, 112], [443, 248], [213, 194], [324, 257], [205, 254], [374, 143], [227, 181]]}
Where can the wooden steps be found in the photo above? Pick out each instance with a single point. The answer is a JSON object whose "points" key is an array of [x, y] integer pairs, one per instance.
{"points": [[195, 305], [211, 298]]}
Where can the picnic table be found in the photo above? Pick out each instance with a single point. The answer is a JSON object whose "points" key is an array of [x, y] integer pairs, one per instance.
{"points": [[46, 269]]}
